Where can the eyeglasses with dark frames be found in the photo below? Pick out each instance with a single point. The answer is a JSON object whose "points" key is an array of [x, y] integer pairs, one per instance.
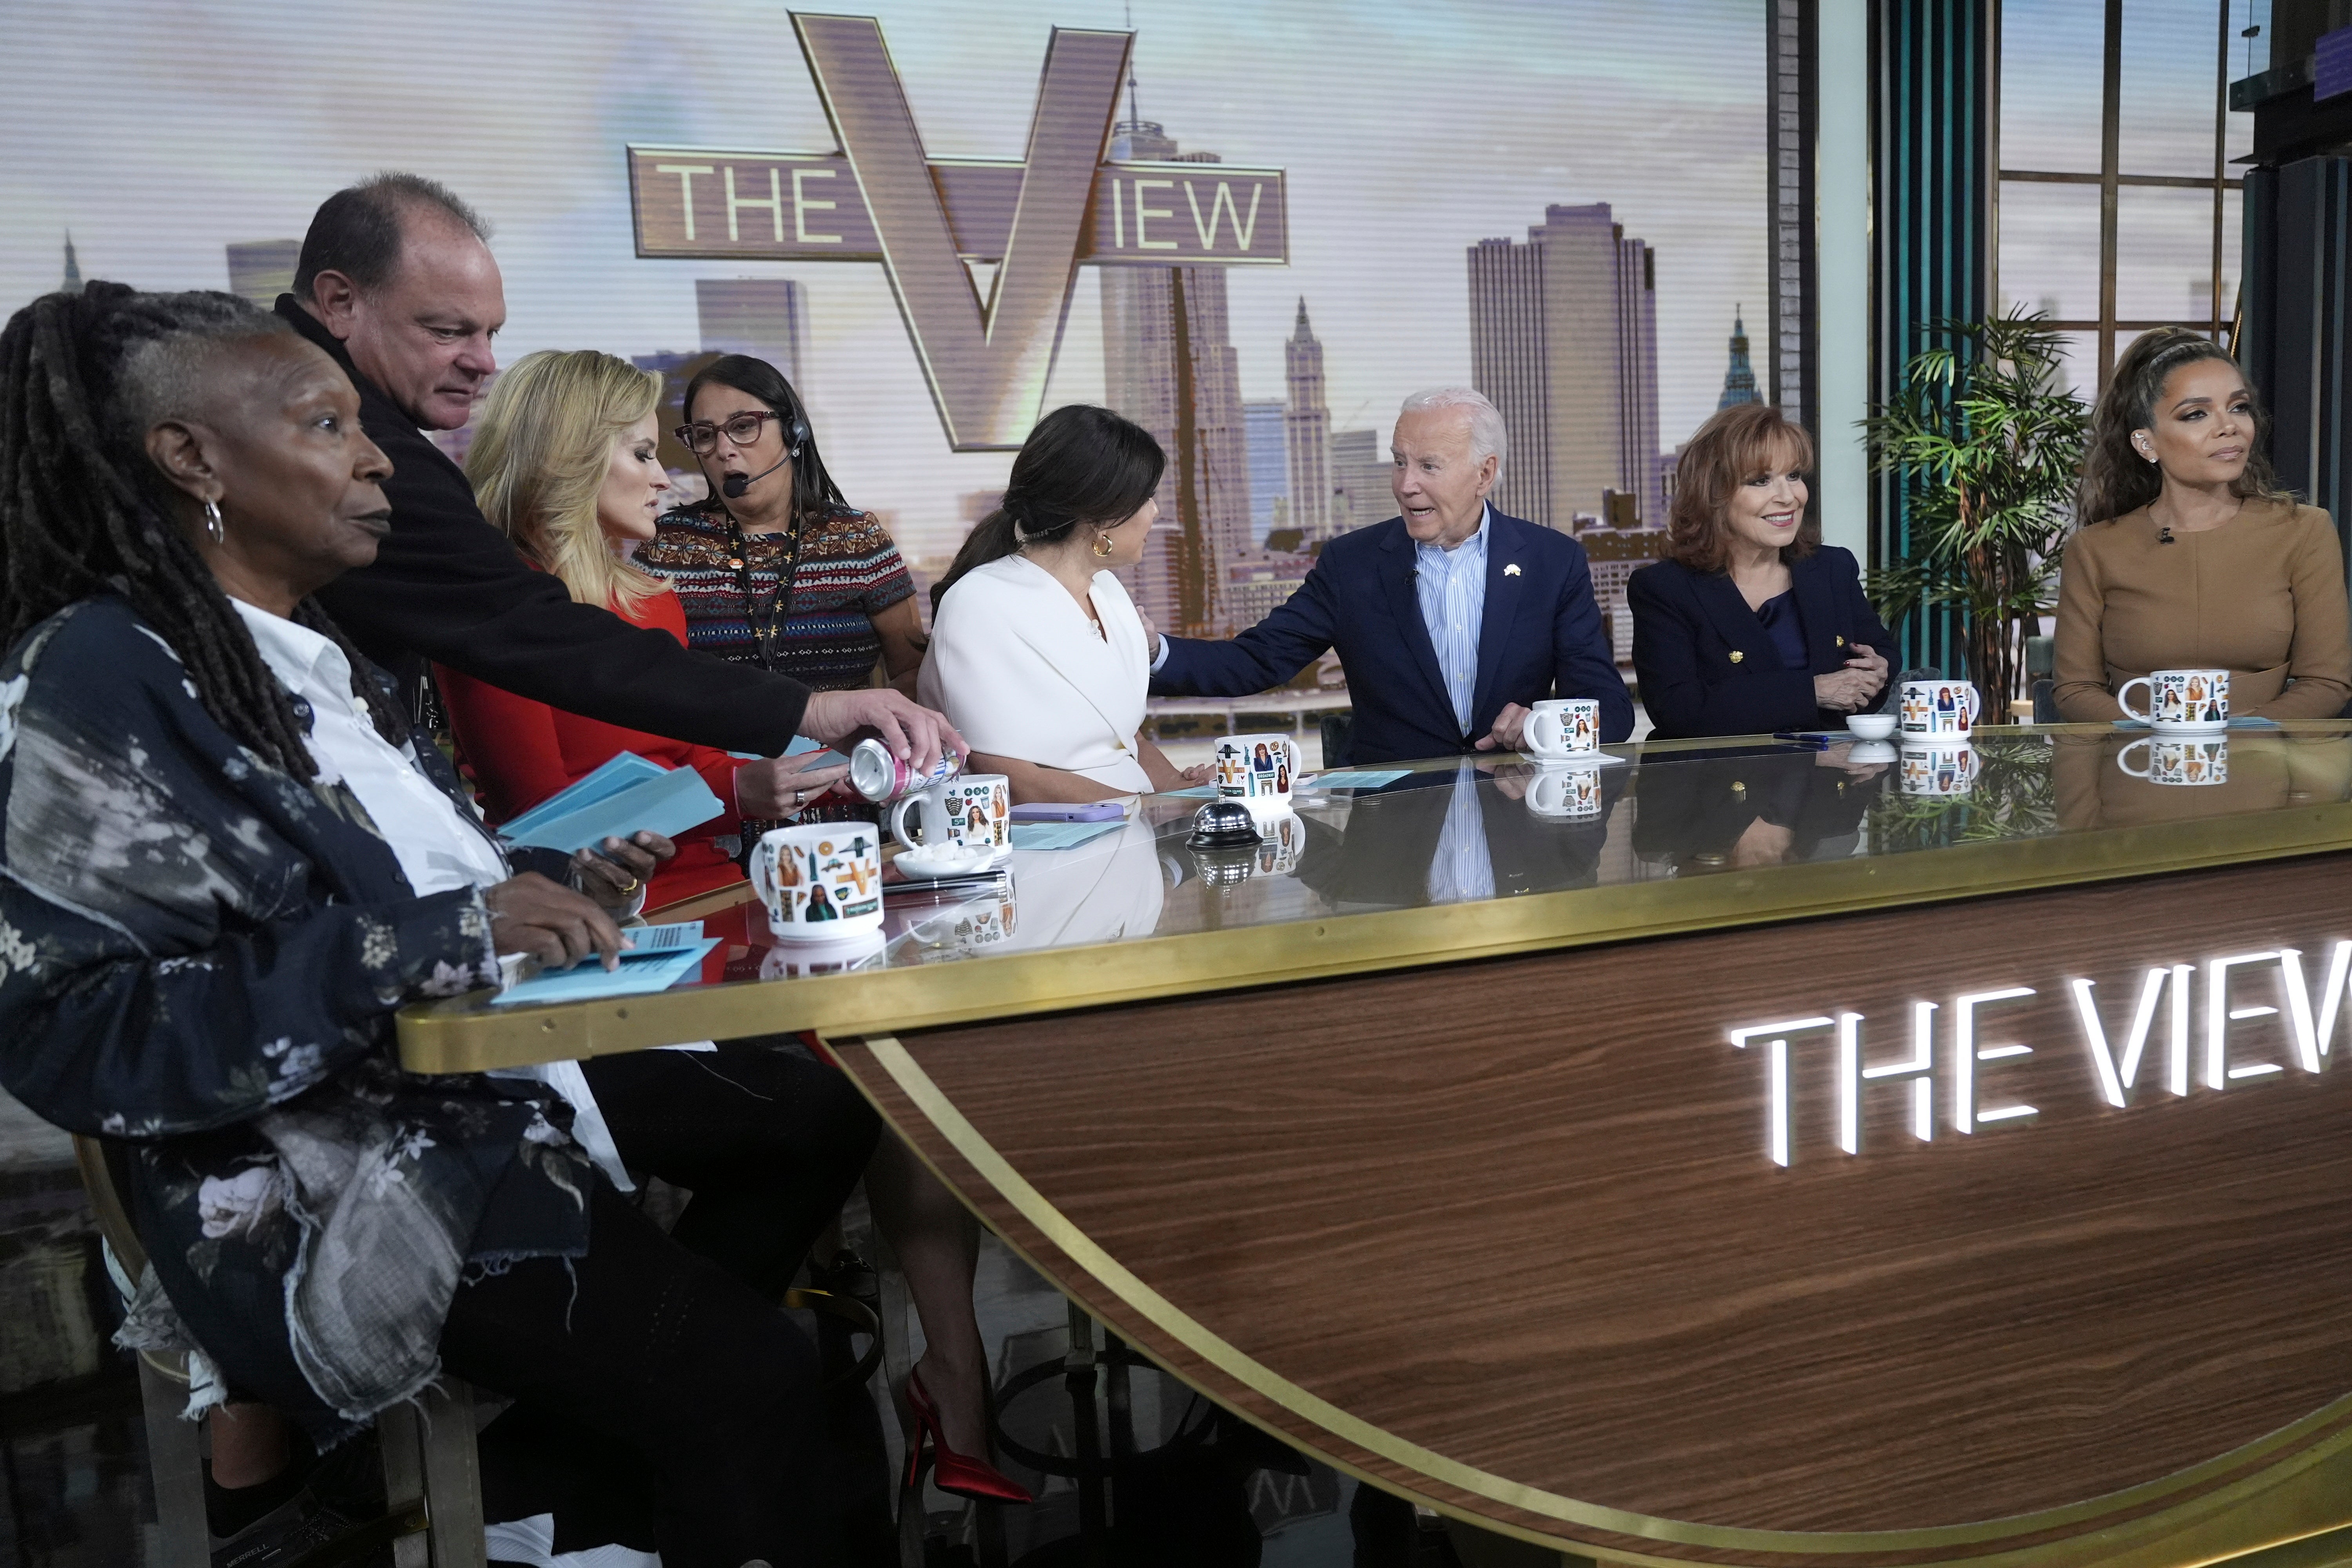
{"points": [[701, 436]]}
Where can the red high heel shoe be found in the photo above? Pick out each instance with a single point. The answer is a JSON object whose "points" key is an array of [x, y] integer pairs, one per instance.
{"points": [[951, 1471]]}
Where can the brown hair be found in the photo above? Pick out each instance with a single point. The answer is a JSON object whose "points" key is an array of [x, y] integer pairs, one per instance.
{"points": [[1735, 444], [2116, 479]]}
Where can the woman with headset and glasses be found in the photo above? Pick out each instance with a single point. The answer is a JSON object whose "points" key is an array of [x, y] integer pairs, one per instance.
{"points": [[773, 567], [776, 569]]}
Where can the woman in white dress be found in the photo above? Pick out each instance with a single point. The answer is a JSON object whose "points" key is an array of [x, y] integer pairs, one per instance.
{"points": [[1037, 655]]}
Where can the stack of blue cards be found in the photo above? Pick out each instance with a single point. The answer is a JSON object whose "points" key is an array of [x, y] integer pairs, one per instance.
{"points": [[628, 794], [663, 956]]}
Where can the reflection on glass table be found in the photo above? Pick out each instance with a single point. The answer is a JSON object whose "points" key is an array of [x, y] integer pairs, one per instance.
{"points": [[1432, 864]]}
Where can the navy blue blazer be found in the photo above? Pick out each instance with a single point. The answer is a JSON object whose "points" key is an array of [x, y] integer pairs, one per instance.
{"points": [[1707, 667], [1541, 636]]}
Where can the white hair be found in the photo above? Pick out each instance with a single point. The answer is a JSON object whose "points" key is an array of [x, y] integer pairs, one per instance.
{"points": [[1487, 436]]}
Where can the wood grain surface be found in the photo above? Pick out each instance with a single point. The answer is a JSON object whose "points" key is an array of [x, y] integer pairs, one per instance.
{"points": [[1522, 1213]]}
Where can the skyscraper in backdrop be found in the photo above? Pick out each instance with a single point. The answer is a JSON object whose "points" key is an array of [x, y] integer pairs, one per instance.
{"points": [[1564, 339], [262, 269], [1306, 432], [766, 318], [1169, 366], [1361, 494], [1738, 376], [1269, 467]]}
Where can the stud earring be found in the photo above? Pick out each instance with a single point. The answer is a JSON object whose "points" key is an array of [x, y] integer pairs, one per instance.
{"points": [[213, 528], [1103, 546]]}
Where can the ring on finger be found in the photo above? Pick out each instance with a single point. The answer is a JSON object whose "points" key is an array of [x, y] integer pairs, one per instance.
{"points": [[631, 886]]}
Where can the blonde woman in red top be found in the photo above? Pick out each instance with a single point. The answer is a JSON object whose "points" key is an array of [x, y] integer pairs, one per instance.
{"points": [[563, 462]]}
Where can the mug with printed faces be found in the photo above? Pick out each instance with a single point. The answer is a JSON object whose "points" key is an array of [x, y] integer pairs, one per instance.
{"points": [[1282, 838], [973, 810], [2178, 761], [1938, 712], [1257, 770], [2187, 700], [1565, 794], [822, 882], [1562, 726], [1938, 770]]}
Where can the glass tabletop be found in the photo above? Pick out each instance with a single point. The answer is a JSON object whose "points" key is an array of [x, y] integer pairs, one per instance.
{"points": [[1674, 834]]}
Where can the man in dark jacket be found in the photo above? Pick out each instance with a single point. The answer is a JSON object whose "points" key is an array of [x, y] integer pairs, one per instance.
{"points": [[1450, 620], [395, 281]]}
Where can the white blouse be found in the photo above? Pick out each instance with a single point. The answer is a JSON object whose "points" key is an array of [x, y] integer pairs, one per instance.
{"points": [[1021, 672], [439, 847]]}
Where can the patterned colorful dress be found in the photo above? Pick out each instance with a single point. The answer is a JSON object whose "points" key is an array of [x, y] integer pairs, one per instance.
{"points": [[847, 571]]}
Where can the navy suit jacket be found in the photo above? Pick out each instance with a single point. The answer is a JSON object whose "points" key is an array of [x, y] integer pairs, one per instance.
{"points": [[1541, 636], [1707, 667]]}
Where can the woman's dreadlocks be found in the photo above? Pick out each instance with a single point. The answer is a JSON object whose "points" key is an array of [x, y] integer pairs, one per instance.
{"points": [[83, 509]]}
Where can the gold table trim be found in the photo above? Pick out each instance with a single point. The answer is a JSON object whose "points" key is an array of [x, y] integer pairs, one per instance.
{"points": [[463, 1035], [2324, 1466]]}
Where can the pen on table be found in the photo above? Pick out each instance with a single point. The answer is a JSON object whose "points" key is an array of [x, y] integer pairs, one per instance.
{"points": [[1818, 743]]}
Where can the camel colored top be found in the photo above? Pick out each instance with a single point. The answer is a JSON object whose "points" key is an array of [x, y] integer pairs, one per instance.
{"points": [[2261, 596]]}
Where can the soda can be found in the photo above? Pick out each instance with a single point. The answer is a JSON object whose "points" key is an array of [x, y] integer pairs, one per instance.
{"points": [[877, 776]]}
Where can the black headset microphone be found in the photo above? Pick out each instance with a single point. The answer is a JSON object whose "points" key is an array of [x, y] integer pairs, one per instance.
{"points": [[734, 485]]}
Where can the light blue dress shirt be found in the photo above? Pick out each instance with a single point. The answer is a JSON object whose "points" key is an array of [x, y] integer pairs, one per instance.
{"points": [[1463, 871], [1452, 587]]}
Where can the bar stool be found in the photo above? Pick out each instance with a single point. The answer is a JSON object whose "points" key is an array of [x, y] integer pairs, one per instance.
{"points": [[431, 1476]]}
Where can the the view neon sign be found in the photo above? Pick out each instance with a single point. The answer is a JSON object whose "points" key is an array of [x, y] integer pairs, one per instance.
{"points": [[2117, 1056]]}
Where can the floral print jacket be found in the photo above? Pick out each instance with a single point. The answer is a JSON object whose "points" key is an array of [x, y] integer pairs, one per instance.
{"points": [[199, 960]]}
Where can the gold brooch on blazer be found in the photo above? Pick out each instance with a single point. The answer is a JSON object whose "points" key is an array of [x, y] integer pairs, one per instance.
{"points": [[1736, 656], [1839, 641]]}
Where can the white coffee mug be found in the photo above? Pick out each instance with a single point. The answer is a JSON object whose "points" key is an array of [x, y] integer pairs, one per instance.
{"points": [[2182, 699], [2180, 761], [1938, 770], [1562, 726], [1939, 713], [1260, 770], [821, 881], [1565, 793], [974, 810]]}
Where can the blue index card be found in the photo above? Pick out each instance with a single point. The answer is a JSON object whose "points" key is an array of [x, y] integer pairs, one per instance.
{"points": [[640, 974], [1198, 792], [628, 794], [656, 939], [1059, 834], [625, 769], [1356, 778]]}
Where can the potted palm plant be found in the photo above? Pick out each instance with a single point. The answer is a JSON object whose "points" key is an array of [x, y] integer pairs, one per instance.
{"points": [[1986, 439]]}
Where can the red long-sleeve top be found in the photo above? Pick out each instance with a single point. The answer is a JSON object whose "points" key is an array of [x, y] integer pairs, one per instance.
{"points": [[517, 752]]}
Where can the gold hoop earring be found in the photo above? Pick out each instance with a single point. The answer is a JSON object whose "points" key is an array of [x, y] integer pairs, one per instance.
{"points": [[1103, 546], [214, 530]]}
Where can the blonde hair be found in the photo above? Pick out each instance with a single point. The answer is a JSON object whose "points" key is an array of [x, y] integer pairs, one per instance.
{"points": [[542, 445]]}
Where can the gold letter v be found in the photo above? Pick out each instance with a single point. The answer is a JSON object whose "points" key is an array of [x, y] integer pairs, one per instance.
{"points": [[987, 365]]}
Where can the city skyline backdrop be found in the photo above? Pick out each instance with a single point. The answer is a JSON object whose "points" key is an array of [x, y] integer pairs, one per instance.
{"points": [[1431, 135]]}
